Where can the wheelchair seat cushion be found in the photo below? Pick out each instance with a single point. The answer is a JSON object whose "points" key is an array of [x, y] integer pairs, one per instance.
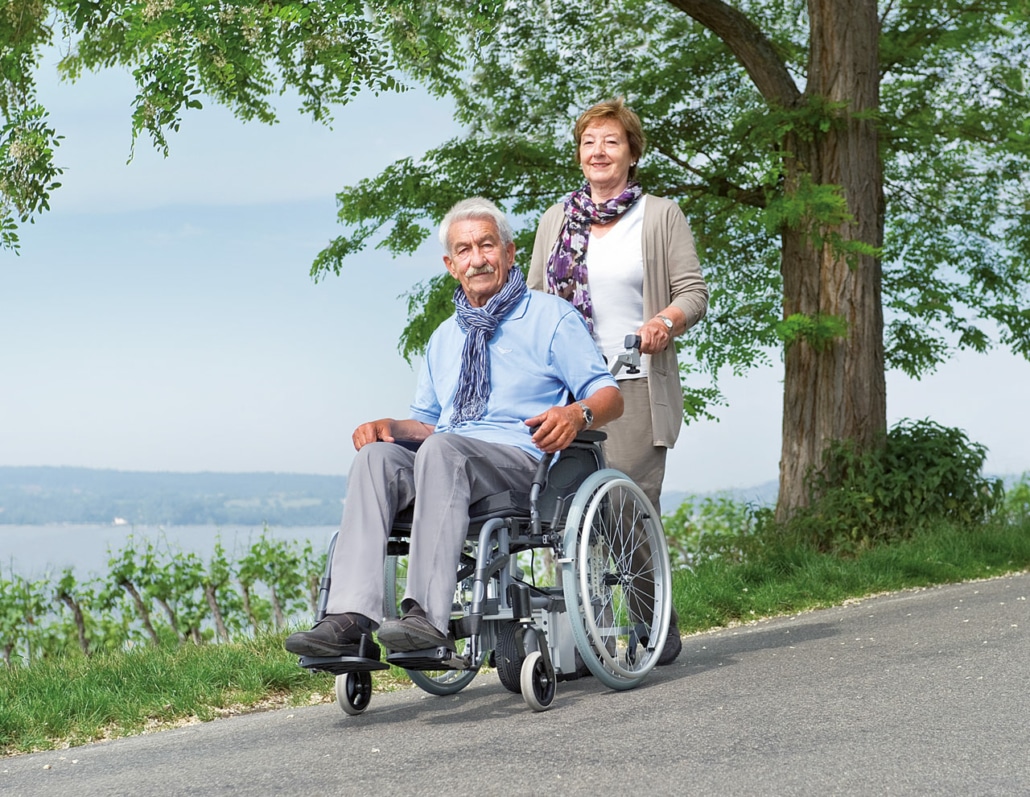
{"points": [[510, 503]]}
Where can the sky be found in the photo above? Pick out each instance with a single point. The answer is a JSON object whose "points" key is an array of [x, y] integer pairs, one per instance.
{"points": [[161, 317]]}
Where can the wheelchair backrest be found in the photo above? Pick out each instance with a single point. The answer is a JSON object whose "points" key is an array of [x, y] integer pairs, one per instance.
{"points": [[582, 458]]}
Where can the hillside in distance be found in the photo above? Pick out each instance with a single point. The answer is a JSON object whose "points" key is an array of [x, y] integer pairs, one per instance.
{"points": [[41, 495]]}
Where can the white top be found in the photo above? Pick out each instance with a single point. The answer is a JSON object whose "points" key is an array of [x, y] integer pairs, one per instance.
{"points": [[615, 274]]}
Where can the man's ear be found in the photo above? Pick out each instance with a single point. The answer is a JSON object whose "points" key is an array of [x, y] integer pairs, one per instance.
{"points": [[450, 267]]}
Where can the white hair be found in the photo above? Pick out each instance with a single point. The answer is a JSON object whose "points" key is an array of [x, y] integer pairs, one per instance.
{"points": [[476, 208]]}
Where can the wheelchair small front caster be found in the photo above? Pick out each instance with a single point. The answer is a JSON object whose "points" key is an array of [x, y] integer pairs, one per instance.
{"points": [[354, 691], [537, 681]]}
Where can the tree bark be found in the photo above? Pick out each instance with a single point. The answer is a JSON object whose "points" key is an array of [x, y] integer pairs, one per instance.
{"points": [[172, 618], [220, 630], [280, 619], [80, 621], [248, 609], [835, 391], [141, 610]]}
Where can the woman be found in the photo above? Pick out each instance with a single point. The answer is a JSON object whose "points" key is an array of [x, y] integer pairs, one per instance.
{"points": [[627, 261]]}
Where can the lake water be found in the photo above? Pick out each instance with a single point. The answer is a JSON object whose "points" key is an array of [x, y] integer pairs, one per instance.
{"points": [[40, 551]]}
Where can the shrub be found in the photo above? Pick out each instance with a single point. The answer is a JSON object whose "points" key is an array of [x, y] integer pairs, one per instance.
{"points": [[923, 473], [1017, 500], [713, 527]]}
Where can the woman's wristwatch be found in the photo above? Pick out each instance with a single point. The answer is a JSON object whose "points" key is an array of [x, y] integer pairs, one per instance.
{"points": [[665, 320]]}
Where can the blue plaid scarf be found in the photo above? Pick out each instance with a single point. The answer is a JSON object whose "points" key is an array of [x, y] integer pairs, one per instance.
{"points": [[479, 325]]}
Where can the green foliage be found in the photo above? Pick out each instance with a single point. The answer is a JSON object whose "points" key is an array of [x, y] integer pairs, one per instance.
{"points": [[817, 331], [27, 170], [785, 576], [154, 595], [713, 527], [952, 122], [76, 700], [923, 474], [955, 152], [72, 700], [1017, 500], [239, 53], [22, 606]]}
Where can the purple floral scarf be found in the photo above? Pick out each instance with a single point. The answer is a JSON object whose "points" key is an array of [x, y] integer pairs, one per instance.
{"points": [[567, 266]]}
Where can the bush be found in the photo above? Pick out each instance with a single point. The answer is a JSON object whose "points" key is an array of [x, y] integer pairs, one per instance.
{"points": [[713, 527], [1017, 500], [922, 474]]}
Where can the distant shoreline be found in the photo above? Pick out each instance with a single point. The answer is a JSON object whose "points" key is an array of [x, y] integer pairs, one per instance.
{"points": [[47, 495]]}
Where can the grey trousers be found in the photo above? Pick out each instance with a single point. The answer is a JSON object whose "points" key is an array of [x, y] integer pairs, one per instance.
{"points": [[448, 473]]}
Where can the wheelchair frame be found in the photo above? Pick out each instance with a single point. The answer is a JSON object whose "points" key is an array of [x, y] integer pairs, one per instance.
{"points": [[607, 614]]}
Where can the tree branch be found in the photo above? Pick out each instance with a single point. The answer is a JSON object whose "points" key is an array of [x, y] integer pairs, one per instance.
{"points": [[751, 47]]}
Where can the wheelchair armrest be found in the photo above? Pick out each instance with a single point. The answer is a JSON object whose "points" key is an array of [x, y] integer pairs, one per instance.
{"points": [[590, 436]]}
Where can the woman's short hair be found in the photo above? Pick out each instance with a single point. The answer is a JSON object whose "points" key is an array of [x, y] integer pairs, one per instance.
{"points": [[614, 109], [476, 208]]}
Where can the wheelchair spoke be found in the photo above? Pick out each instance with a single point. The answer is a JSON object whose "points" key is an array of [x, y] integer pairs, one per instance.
{"points": [[622, 580]]}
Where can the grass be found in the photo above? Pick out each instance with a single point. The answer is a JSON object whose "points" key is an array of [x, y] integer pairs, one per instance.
{"points": [[74, 700], [787, 579]]}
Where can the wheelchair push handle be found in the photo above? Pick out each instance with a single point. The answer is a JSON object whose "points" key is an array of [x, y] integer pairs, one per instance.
{"points": [[629, 359]]}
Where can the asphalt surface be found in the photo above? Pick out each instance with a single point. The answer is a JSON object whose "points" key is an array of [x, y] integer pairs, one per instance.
{"points": [[919, 692]]}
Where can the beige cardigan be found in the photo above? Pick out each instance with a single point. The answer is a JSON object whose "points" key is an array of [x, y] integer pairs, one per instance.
{"points": [[672, 276]]}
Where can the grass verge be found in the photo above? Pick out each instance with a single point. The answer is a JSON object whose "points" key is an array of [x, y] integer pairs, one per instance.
{"points": [[74, 700]]}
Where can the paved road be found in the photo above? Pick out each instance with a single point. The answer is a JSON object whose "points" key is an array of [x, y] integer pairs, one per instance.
{"points": [[921, 692]]}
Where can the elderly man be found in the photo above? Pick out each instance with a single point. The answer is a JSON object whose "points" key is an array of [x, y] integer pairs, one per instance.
{"points": [[514, 374]]}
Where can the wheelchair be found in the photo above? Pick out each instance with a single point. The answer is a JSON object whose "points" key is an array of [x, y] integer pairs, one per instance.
{"points": [[573, 578]]}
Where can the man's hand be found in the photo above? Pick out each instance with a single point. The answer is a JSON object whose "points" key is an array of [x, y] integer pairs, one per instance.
{"points": [[373, 432], [390, 430], [556, 428]]}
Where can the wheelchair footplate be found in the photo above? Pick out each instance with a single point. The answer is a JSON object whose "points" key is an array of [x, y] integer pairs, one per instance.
{"points": [[338, 665], [438, 658]]}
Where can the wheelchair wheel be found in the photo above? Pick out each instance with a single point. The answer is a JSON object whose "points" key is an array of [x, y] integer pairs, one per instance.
{"points": [[435, 682], [537, 683], [354, 692], [616, 579], [507, 658]]}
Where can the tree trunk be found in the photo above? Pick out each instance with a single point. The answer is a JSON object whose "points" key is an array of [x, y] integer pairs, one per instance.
{"points": [[172, 618], [80, 621], [835, 391], [141, 610], [248, 609], [222, 633], [280, 620]]}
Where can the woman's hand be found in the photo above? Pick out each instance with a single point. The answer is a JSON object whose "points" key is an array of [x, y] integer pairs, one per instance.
{"points": [[654, 336]]}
